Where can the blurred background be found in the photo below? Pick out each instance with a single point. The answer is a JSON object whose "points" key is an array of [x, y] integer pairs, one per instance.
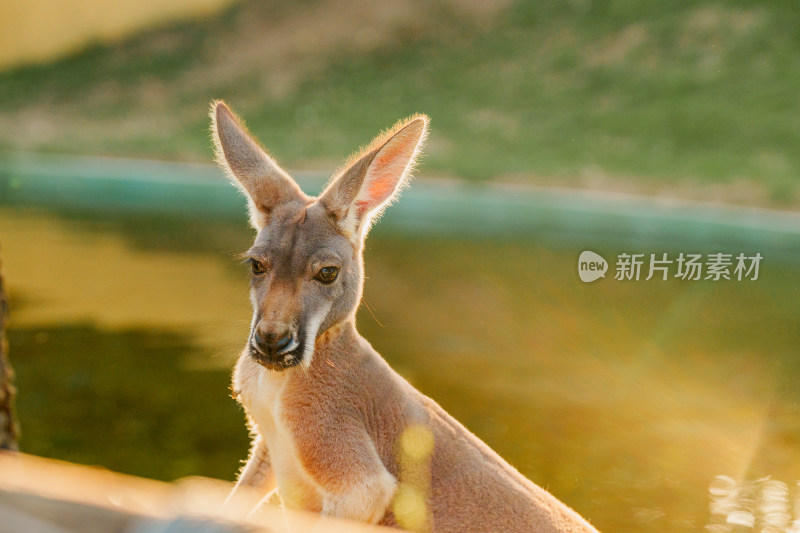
{"points": [[557, 127]]}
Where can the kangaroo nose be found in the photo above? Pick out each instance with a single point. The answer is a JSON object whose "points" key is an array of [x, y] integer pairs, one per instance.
{"points": [[281, 343], [273, 343]]}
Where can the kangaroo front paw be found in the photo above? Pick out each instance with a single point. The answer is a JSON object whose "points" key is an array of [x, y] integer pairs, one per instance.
{"points": [[366, 502]]}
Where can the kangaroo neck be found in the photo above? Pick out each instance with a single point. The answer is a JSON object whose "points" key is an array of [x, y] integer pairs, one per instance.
{"points": [[338, 347]]}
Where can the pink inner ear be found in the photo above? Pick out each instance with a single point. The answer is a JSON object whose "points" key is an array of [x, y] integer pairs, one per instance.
{"points": [[382, 177], [378, 190], [387, 155], [361, 208]]}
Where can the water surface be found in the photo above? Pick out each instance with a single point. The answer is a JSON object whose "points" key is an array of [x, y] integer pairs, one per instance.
{"points": [[625, 399]]}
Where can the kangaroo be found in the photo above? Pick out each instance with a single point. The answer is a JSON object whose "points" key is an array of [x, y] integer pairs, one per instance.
{"points": [[335, 429]]}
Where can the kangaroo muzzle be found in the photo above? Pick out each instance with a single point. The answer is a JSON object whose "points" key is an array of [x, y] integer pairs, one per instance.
{"points": [[275, 348]]}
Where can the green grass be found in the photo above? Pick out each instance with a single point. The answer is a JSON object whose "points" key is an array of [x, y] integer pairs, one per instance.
{"points": [[640, 95]]}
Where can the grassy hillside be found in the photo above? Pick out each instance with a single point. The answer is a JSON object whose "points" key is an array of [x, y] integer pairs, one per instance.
{"points": [[692, 98]]}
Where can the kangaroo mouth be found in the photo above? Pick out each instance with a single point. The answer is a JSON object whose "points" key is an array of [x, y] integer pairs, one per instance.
{"points": [[278, 361]]}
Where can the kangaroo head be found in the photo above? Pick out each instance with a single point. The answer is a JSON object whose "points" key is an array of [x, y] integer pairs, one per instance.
{"points": [[307, 269]]}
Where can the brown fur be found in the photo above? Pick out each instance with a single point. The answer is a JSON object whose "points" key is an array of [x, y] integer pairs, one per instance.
{"points": [[335, 428]]}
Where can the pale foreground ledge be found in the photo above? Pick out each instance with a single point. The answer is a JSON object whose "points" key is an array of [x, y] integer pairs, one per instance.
{"points": [[46, 496]]}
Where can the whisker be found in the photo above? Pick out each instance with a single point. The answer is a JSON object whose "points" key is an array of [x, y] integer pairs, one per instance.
{"points": [[371, 313]]}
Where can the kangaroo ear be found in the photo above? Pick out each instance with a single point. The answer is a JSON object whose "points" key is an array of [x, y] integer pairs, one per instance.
{"points": [[374, 176], [264, 183]]}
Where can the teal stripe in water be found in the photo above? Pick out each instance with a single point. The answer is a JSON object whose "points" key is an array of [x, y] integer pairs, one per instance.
{"points": [[429, 207]]}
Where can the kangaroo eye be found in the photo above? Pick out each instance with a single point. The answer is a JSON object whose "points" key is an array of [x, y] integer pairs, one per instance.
{"points": [[256, 267], [327, 274]]}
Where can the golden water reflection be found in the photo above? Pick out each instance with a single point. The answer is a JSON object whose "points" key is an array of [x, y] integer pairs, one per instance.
{"points": [[68, 271]]}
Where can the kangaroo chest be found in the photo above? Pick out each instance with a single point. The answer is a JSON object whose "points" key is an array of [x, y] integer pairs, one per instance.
{"points": [[261, 392]]}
